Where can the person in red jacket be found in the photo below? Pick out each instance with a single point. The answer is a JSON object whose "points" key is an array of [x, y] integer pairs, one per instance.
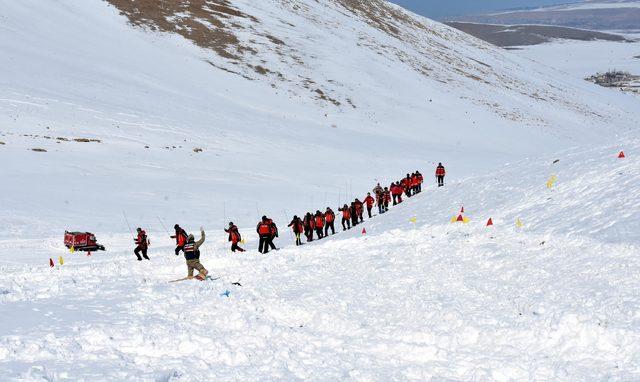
{"points": [[440, 173], [386, 198], [414, 183], [359, 210], [308, 226], [264, 232], [142, 244], [368, 201], [298, 227], [420, 179], [380, 201], [319, 223], [274, 234], [329, 219], [406, 185], [234, 237], [181, 238], [346, 217], [396, 193]]}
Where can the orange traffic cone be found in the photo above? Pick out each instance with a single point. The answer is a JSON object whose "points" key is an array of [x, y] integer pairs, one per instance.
{"points": [[51, 264], [489, 222], [364, 231], [621, 155]]}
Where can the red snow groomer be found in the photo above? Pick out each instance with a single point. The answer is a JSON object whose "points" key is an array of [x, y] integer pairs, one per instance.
{"points": [[81, 241]]}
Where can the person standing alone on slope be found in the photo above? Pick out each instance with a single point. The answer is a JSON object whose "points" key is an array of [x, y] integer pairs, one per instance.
{"points": [[440, 173], [234, 237], [142, 244]]}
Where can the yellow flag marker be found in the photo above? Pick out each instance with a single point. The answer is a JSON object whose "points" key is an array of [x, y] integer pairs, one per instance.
{"points": [[72, 249], [552, 181], [413, 220], [60, 260], [242, 241], [519, 223]]}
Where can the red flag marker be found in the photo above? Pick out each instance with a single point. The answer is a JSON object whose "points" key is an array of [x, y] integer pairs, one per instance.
{"points": [[460, 218], [489, 222], [364, 231], [51, 264], [621, 155]]}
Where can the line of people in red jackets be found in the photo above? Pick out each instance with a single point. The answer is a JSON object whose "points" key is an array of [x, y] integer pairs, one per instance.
{"points": [[321, 223]]}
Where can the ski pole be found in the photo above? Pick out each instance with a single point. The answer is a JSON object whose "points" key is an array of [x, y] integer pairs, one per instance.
{"points": [[163, 226], [127, 221]]}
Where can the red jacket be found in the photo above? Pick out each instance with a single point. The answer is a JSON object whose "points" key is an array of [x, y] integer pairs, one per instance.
{"points": [[141, 240], [234, 234], [346, 214], [414, 181], [369, 200], [263, 228], [329, 216], [440, 171], [319, 220], [396, 190], [387, 196]]}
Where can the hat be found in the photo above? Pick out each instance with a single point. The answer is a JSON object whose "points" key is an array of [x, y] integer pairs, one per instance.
{"points": [[176, 226], [138, 229]]}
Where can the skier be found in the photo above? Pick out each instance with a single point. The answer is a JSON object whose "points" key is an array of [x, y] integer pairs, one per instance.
{"points": [[368, 201], [192, 256], [234, 237], [329, 219], [386, 197], [308, 226], [264, 232], [359, 209], [298, 227], [142, 244], [319, 220], [440, 173], [181, 238]]}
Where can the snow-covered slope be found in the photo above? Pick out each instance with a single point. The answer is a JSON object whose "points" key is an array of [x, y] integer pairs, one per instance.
{"points": [[553, 300], [315, 101]]}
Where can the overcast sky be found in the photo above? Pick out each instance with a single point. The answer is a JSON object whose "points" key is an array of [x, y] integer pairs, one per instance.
{"points": [[444, 8]]}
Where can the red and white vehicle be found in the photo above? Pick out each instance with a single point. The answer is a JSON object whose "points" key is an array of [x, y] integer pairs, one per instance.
{"points": [[82, 241]]}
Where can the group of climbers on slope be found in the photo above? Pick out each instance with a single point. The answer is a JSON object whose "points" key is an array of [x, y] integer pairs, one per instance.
{"points": [[318, 223]]}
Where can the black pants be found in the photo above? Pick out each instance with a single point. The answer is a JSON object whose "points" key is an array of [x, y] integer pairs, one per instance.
{"points": [[270, 242], [354, 220], [369, 211], [348, 226], [298, 240], [263, 245], [386, 206], [326, 229], [440, 180], [319, 233], [395, 199], [408, 192], [380, 208], [308, 232], [236, 247], [143, 250], [178, 249]]}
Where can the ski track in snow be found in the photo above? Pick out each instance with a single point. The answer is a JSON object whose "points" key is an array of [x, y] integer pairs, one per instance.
{"points": [[553, 300]]}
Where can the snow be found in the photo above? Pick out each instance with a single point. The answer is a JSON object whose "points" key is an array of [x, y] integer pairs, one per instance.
{"points": [[552, 300]]}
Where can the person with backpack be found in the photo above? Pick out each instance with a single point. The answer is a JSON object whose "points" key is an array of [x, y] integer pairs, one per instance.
{"points": [[377, 189], [440, 173], [264, 232], [181, 238], [329, 219], [298, 227], [234, 237], [319, 224], [142, 244], [368, 201], [346, 217], [414, 183], [386, 198], [420, 180], [308, 226], [192, 256], [406, 185], [396, 193]]}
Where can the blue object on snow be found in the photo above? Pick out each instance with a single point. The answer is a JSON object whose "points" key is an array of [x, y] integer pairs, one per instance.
{"points": [[226, 293]]}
